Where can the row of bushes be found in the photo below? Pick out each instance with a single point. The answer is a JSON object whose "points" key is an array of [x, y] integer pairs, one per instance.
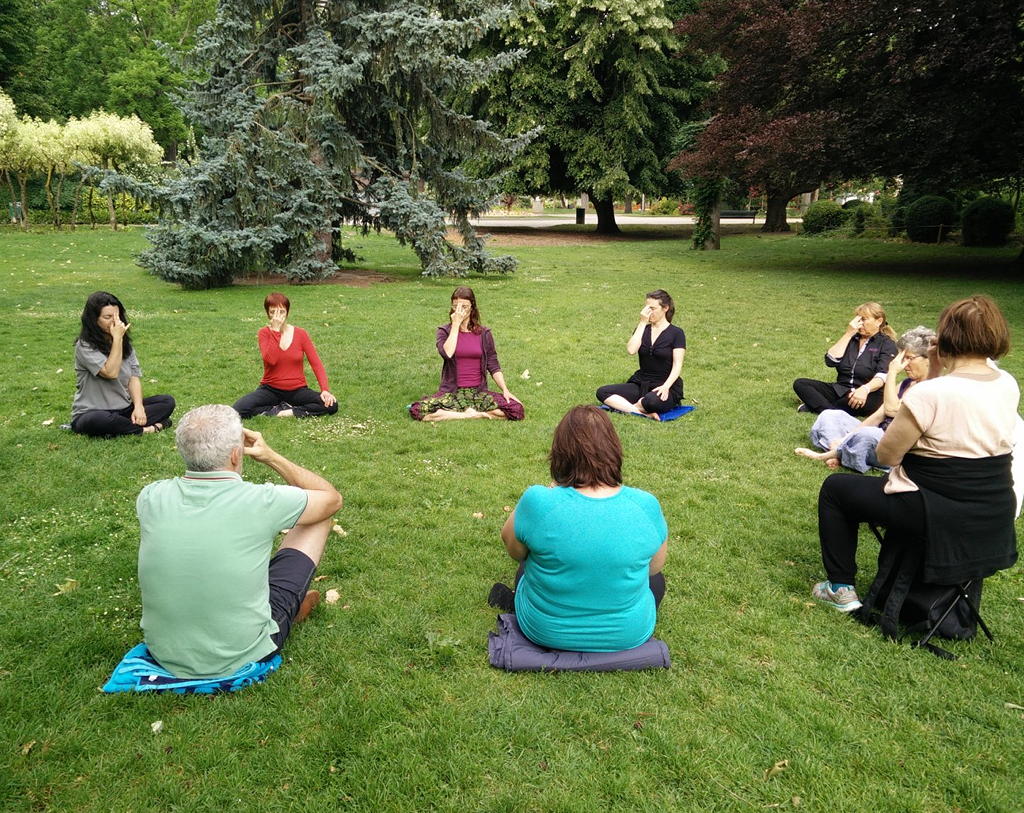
{"points": [[983, 222]]}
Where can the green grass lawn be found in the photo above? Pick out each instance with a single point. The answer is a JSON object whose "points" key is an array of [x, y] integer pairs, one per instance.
{"points": [[386, 700]]}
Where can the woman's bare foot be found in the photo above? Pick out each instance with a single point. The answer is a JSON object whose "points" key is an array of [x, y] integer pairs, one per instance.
{"points": [[805, 452], [156, 427], [832, 462], [286, 413], [454, 415]]}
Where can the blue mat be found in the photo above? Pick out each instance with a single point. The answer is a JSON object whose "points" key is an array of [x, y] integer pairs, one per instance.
{"points": [[671, 415], [139, 672]]}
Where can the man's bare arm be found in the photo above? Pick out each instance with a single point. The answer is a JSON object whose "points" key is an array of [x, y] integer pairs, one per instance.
{"points": [[323, 498]]}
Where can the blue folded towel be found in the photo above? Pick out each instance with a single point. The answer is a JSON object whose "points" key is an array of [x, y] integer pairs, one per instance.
{"points": [[671, 415], [511, 650], [138, 671]]}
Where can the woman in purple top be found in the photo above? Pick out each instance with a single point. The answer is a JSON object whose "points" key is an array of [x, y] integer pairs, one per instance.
{"points": [[468, 354]]}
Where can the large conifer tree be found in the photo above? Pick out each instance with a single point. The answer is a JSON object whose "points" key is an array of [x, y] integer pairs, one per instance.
{"points": [[314, 112]]}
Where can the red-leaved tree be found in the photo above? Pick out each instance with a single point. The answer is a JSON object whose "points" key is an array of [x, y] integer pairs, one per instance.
{"points": [[816, 90]]}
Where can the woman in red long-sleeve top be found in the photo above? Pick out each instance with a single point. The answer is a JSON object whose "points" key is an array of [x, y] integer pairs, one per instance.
{"points": [[282, 390]]}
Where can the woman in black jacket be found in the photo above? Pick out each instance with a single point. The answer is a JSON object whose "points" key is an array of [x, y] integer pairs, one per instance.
{"points": [[861, 357]]}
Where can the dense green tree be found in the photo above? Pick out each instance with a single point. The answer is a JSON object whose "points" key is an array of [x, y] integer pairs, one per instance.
{"points": [[17, 38], [316, 113], [113, 54], [145, 87], [606, 82]]}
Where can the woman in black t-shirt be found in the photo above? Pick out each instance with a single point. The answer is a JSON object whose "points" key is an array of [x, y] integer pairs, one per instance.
{"points": [[656, 387]]}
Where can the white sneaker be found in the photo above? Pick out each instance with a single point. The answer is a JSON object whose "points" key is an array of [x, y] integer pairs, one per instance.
{"points": [[844, 599]]}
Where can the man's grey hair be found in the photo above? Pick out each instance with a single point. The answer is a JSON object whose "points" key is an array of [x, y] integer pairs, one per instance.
{"points": [[917, 340], [207, 435]]}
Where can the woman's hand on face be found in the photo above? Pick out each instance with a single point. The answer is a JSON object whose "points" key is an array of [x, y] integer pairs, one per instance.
{"points": [[139, 415], [662, 391], [328, 399], [934, 359], [118, 328], [899, 363], [856, 323], [645, 315], [278, 316], [460, 314]]}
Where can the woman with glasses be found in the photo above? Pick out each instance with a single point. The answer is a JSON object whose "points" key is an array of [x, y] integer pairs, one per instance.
{"points": [[851, 443]]}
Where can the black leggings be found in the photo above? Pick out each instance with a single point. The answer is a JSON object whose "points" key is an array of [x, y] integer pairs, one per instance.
{"points": [[267, 400], [649, 401], [845, 501], [818, 396], [108, 423]]}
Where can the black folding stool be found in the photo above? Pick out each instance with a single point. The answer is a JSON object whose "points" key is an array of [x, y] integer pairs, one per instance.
{"points": [[899, 565]]}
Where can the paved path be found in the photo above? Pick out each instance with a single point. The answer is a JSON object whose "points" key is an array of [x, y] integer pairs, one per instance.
{"points": [[546, 221]]}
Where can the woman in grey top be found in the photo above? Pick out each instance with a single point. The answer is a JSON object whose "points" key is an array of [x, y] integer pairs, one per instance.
{"points": [[108, 399]]}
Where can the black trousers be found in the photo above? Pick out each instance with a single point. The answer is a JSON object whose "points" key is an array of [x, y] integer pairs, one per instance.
{"points": [[266, 400], [107, 423], [649, 401], [820, 395], [845, 501]]}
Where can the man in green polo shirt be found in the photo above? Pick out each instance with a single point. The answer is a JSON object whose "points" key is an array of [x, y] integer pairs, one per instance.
{"points": [[213, 598]]}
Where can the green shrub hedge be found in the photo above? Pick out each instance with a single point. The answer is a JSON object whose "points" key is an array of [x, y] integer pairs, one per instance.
{"points": [[986, 222], [824, 215], [930, 218], [664, 206]]}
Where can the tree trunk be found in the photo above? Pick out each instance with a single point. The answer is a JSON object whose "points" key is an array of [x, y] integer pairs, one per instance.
{"points": [[714, 240], [324, 236], [605, 208], [50, 199], [23, 183], [60, 194], [627, 206], [110, 202], [775, 221], [75, 205], [111, 211], [10, 186]]}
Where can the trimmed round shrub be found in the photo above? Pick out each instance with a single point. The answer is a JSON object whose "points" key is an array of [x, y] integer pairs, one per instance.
{"points": [[823, 215], [664, 206], [986, 222], [930, 218], [853, 203]]}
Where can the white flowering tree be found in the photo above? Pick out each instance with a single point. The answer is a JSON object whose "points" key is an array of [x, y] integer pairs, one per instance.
{"points": [[115, 143], [33, 147], [8, 140], [52, 160], [25, 155]]}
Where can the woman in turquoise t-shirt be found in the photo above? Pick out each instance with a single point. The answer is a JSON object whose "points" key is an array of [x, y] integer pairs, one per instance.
{"points": [[591, 548]]}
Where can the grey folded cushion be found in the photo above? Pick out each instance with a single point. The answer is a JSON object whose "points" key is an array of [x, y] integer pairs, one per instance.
{"points": [[511, 650]]}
